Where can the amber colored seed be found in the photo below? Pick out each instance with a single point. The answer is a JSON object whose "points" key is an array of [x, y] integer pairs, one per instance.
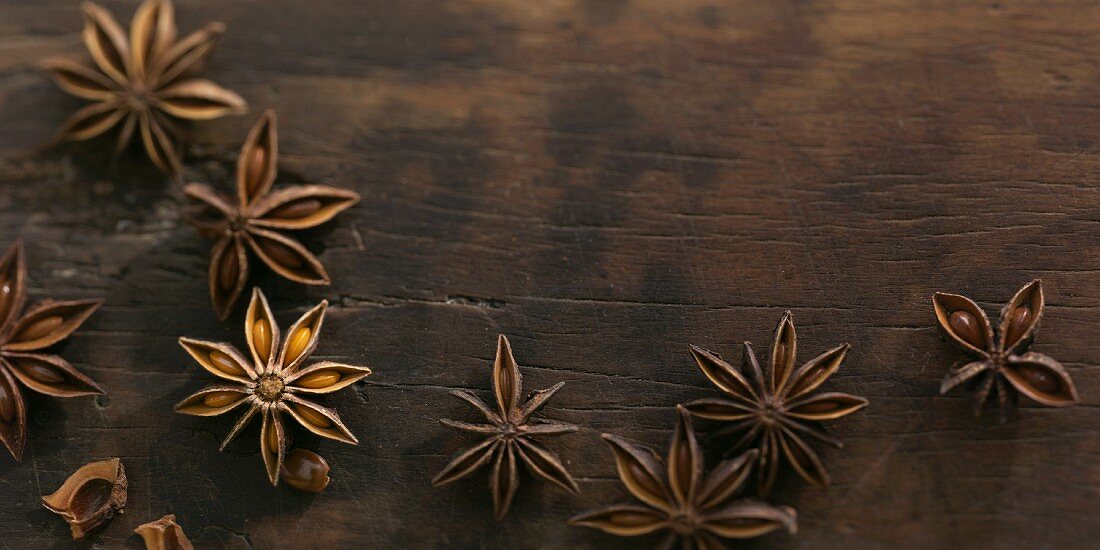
{"points": [[261, 338], [226, 364], [273, 439], [7, 403], [298, 342], [40, 328], [228, 271], [313, 417], [294, 210], [5, 297], [219, 399], [281, 253], [1017, 324], [781, 355], [305, 470], [1040, 379], [965, 326], [255, 172], [90, 497], [629, 519], [643, 479], [42, 372], [320, 379], [819, 407]]}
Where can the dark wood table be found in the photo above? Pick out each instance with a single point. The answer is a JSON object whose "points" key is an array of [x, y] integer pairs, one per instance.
{"points": [[606, 182]]}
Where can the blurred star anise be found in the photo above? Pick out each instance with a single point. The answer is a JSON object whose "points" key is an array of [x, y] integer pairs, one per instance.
{"points": [[696, 510], [146, 84], [23, 337], [775, 409], [273, 382], [249, 221], [510, 432], [1004, 366]]}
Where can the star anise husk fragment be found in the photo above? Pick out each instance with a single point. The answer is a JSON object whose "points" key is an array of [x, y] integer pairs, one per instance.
{"points": [[252, 220], [145, 83], [164, 534], [697, 510], [273, 382], [24, 338], [775, 410], [1003, 366], [90, 497], [511, 433]]}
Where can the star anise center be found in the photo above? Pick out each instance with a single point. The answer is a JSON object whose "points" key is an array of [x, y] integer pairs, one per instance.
{"points": [[270, 387], [508, 431], [683, 522]]}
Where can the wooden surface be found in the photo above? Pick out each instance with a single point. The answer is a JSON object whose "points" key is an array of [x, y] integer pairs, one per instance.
{"points": [[604, 181]]}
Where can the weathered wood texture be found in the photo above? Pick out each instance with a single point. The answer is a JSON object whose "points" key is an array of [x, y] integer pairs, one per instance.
{"points": [[605, 181]]}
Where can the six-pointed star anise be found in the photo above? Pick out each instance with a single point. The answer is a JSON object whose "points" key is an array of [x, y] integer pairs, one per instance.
{"points": [[696, 510], [774, 409], [1004, 365], [249, 221], [510, 432], [273, 383], [145, 84], [22, 340]]}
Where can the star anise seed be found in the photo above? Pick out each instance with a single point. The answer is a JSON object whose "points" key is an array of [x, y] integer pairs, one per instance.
{"points": [[511, 432], [773, 410]]}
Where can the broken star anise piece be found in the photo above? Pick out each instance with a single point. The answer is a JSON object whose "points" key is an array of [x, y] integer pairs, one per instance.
{"points": [[273, 383], [252, 220], [164, 534], [773, 410], [1004, 366], [90, 497], [510, 433], [23, 338], [146, 83], [696, 510]]}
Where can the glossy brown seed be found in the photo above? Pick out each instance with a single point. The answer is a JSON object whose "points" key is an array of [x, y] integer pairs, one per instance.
{"points": [[630, 519], [40, 371], [312, 416], [40, 328], [90, 497], [6, 295], [273, 439], [642, 479], [305, 470], [965, 326], [228, 270], [296, 209], [319, 379], [261, 337], [1039, 379], [298, 342], [781, 355], [219, 399], [1017, 324], [822, 406], [7, 403], [280, 253], [226, 364], [254, 172]]}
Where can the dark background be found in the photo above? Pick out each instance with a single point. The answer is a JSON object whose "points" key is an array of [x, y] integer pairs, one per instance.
{"points": [[604, 181]]}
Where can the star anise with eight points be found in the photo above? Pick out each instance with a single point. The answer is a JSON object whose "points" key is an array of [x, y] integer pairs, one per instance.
{"points": [[511, 431], [257, 212], [146, 84], [774, 409], [23, 337], [696, 510], [273, 383], [1004, 366]]}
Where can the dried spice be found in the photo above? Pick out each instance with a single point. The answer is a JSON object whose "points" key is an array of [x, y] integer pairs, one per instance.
{"points": [[1003, 367], [164, 534], [23, 337], [697, 510], [251, 221], [305, 470], [510, 432], [90, 497], [773, 410], [273, 382], [146, 84]]}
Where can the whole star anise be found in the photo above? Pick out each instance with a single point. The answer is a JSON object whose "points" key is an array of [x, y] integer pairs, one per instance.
{"points": [[510, 433], [273, 382], [696, 510], [23, 338], [1004, 365], [146, 84], [257, 212], [774, 409]]}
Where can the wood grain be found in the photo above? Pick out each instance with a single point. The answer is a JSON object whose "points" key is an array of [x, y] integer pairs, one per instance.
{"points": [[606, 182]]}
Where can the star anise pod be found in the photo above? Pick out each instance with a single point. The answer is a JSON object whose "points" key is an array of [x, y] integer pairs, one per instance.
{"points": [[145, 84], [250, 221], [697, 510], [510, 432], [1004, 366], [23, 338], [773, 410], [273, 383]]}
